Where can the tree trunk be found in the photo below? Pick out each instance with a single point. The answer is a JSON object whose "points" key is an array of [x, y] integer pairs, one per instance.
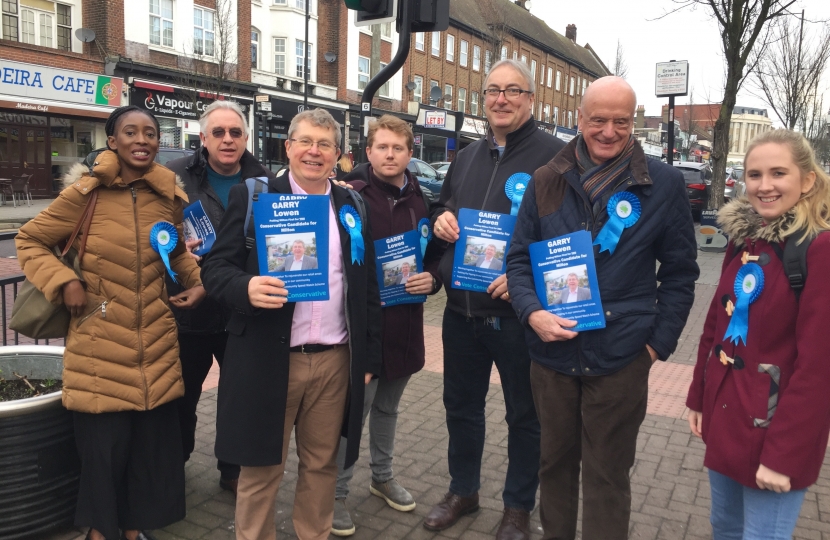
{"points": [[720, 147]]}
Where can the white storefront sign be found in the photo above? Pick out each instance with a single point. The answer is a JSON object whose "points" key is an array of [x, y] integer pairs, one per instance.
{"points": [[41, 82]]}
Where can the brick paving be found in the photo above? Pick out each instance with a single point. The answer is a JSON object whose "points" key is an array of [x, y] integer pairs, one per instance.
{"points": [[670, 490]]}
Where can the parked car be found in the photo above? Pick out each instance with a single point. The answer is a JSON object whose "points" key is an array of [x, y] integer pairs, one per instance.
{"points": [[169, 154], [734, 175], [698, 177], [427, 177], [441, 167]]}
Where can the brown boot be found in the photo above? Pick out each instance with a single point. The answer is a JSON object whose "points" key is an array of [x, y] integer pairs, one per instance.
{"points": [[515, 525], [444, 514]]}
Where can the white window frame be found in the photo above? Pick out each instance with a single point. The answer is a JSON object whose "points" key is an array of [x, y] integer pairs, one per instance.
{"points": [[448, 92], [280, 57], [572, 87], [308, 49], [255, 47], [476, 58], [524, 59], [488, 60], [462, 100], [450, 48], [503, 52], [584, 85], [204, 32], [436, 44], [550, 76], [384, 91], [419, 41], [533, 67], [556, 116], [163, 42], [578, 84], [576, 117], [515, 55], [570, 119], [463, 53], [474, 103], [558, 80], [58, 26], [361, 74], [547, 113], [418, 91]]}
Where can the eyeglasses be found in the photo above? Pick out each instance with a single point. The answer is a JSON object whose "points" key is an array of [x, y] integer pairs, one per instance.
{"points": [[219, 133], [324, 146], [509, 93]]}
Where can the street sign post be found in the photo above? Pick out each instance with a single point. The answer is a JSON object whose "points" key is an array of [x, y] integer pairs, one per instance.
{"points": [[671, 80]]}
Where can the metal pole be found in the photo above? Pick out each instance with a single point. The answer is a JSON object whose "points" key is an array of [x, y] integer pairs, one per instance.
{"points": [[670, 150], [384, 75], [305, 60]]}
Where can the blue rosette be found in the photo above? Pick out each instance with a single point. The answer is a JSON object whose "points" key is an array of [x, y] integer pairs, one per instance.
{"points": [[163, 240], [515, 190], [623, 211], [351, 221], [748, 286], [426, 234]]}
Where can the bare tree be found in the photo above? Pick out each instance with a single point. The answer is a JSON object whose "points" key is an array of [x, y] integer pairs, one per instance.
{"points": [[816, 127], [620, 68], [789, 71], [744, 24]]}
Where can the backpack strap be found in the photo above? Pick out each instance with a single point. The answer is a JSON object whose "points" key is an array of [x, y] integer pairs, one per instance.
{"points": [[255, 186], [795, 261]]}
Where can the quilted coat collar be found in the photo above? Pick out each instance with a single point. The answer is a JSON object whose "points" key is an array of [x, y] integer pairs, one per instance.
{"points": [[106, 171], [741, 223]]}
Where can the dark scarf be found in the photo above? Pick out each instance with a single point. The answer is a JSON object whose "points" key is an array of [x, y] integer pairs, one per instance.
{"points": [[597, 179]]}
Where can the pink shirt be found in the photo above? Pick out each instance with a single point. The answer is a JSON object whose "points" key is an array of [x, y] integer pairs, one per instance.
{"points": [[323, 323]]}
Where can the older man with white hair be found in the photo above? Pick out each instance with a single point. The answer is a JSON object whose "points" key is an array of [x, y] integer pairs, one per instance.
{"points": [[208, 176], [591, 387]]}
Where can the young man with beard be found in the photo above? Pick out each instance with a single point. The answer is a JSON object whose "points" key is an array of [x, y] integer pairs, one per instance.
{"points": [[396, 205]]}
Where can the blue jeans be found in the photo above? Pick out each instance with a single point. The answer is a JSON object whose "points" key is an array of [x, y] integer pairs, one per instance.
{"points": [[744, 513], [471, 346]]}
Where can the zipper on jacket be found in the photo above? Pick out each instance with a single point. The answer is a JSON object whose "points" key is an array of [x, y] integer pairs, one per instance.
{"points": [[102, 307], [140, 303]]}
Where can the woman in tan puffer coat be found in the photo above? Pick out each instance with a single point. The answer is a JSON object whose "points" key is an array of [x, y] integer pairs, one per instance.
{"points": [[121, 364]]}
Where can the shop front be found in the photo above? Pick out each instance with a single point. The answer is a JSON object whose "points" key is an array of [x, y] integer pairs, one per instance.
{"points": [[272, 120], [50, 119], [178, 110], [437, 133]]}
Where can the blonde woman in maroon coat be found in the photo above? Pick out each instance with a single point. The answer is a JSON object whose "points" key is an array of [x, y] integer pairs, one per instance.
{"points": [[759, 393]]}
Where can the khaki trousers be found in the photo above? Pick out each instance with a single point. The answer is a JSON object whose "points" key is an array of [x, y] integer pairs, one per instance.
{"points": [[317, 389]]}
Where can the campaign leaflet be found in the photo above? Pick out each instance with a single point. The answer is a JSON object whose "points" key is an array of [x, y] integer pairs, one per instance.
{"points": [[289, 230], [197, 226], [398, 258], [565, 276], [481, 248]]}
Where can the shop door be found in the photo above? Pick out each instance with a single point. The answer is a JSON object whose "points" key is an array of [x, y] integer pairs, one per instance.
{"points": [[23, 150]]}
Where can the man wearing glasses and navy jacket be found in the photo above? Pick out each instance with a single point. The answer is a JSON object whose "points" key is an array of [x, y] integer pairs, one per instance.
{"points": [[480, 329]]}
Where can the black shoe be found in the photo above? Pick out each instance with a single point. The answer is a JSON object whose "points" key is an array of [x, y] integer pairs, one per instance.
{"points": [[229, 484]]}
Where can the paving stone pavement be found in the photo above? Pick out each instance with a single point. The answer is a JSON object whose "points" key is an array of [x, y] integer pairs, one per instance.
{"points": [[670, 489]]}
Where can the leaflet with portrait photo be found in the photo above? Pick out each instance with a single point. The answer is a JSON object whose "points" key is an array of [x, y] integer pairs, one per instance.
{"points": [[197, 226], [481, 248], [292, 237], [398, 258], [565, 276]]}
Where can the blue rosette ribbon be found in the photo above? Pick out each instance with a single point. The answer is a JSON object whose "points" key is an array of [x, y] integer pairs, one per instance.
{"points": [[351, 221], [426, 234], [623, 211], [515, 190], [748, 286], [163, 240]]}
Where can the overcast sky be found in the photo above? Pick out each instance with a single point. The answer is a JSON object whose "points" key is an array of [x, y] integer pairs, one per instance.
{"points": [[691, 35]]}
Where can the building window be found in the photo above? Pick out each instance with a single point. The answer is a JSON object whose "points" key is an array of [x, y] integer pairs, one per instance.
{"points": [[448, 96], [462, 99], [362, 72], [419, 41], [515, 55], [418, 92], [10, 20], [556, 115], [299, 49], [572, 87], [540, 111], [533, 69], [450, 48], [524, 59], [384, 90], [542, 76], [254, 48], [558, 80], [279, 56], [161, 22], [474, 103], [550, 76], [547, 114], [576, 117], [27, 26], [204, 35], [488, 61], [476, 58], [570, 119], [436, 44], [584, 85], [503, 52], [279, 2], [386, 30], [64, 27], [463, 52], [36, 28]]}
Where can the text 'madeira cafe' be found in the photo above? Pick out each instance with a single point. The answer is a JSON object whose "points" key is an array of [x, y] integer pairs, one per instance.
{"points": [[51, 118], [178, 110]]}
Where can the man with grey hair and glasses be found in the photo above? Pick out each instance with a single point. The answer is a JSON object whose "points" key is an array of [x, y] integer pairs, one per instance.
{"points": [[295, 366], [208, 176], [480, 328]]}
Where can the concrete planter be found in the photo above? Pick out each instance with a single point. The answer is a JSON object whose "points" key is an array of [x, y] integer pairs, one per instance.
{"points": [[39, 465]]}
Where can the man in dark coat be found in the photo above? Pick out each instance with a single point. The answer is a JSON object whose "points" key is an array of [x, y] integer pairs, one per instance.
{"points": [[301, 364], [591, 391], [480, 328], [208, 175], [396, 205]]}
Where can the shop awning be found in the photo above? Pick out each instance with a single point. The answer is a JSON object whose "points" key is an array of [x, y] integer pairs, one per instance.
{"points": [[43, 106]]}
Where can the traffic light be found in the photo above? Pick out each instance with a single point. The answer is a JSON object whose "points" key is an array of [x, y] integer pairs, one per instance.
{"points": [[371, 12], [429, 15]]}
